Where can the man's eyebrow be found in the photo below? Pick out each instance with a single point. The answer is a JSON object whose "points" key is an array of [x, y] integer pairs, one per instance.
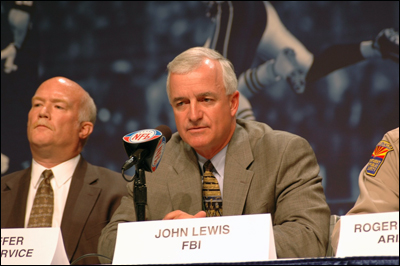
{"points": [[177, 99], [52, 100], [37, 98], [208, 94], [203, 94]]}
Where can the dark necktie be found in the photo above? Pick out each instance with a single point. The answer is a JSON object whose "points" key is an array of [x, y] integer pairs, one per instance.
{"points": [[43, 204], [212, 200]]}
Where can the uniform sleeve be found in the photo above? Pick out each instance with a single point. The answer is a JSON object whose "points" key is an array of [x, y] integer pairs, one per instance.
{"points": [[378, 182]]}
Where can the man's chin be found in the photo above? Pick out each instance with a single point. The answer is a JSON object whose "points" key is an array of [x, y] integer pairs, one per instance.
{"points": [[40, 142], [197, 144]]}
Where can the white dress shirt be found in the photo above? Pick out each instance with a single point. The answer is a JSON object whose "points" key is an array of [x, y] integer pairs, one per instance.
{"points": [[60, 184], [219, 166]]}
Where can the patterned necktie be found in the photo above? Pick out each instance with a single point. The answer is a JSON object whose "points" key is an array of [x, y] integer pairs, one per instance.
{"points": [[42, 208], [212, 200]]}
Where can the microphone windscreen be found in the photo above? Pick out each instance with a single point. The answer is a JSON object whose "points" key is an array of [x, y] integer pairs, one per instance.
{"points": [[165, 130]]}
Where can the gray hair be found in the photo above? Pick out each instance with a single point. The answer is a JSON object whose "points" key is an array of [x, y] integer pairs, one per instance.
{"points": [[87, 112], [88, 109], [192, 59]]}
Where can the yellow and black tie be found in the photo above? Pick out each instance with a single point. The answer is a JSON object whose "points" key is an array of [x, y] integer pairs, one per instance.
{"points": [[212, 200]]}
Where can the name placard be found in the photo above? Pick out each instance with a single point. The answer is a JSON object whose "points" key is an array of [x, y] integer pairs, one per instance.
{"points": [[32, 246], [369, 235], [211, 239]]}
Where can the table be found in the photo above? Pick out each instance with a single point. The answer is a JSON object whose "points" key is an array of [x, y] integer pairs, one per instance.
{"points": [[370, 260]]}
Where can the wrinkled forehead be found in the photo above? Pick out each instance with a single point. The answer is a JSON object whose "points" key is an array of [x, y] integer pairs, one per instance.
{"points": [[55, 89]]}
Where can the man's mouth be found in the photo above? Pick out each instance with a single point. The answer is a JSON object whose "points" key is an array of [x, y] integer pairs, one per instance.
{"points": [[42, 126], [195, 129]]}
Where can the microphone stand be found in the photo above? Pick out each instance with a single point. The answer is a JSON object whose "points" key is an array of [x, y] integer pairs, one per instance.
{"points": [[140, 193], [139, 184]]}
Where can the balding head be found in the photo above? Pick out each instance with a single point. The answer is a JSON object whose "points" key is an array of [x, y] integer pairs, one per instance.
{"points": [[60, 120], [88, 108]]}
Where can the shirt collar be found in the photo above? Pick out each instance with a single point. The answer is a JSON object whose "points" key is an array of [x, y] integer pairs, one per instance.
{"points": [[218, 161], [62, 172]]}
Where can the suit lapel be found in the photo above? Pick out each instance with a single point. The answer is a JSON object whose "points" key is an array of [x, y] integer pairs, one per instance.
{"points": [[187, 181], [236, 178], [17, 192], [81, 199]]}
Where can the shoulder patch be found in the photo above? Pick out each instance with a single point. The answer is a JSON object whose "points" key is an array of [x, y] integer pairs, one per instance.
{"points": [[377, 157]]}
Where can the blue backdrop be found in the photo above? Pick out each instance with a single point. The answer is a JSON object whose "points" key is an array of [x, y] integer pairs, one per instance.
{"points": [[118, 52]]}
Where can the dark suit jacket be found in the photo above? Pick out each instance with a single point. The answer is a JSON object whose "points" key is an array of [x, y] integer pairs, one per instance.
{"points": [[94, 195], [266, 171]]}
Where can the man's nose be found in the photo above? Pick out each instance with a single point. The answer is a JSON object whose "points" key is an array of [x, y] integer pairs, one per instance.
{"points": [[195, 112], [44, 112]]}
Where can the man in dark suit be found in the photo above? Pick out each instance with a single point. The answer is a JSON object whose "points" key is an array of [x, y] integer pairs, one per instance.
{"points": [[83, 196], [259, 170]]}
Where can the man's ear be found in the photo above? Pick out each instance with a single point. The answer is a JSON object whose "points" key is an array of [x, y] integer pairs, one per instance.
{"points": [[86, 130], [234, 103]]}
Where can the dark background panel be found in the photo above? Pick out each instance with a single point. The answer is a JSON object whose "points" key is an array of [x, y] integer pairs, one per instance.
{"points": [[118, 52]]}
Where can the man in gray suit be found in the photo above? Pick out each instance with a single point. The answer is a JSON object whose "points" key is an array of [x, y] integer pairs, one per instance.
{"points": [[259, 170], [84, 196]]}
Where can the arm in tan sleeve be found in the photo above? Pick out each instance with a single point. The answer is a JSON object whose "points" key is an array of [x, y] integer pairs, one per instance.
{"points": [[378, 181], [124, 213], [301, 220]]}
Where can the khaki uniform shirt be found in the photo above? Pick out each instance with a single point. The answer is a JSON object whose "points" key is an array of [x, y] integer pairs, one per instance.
{"points": [[378, 181]]}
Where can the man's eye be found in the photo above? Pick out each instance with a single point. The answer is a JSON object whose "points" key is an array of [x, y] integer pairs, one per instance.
{"points": [[59, 107]]}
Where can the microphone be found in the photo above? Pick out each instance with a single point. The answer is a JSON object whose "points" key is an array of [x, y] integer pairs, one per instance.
{"points": [[146, 147]]}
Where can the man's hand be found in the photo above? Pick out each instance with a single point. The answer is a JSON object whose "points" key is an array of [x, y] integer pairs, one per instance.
{"points": [[183, 215]]}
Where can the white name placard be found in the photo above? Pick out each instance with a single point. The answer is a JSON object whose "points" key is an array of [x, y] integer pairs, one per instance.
{"points": [[369, 235], [32, 246], [211, 239]]}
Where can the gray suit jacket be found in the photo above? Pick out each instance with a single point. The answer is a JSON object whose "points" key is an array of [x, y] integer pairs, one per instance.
{"points": [[94, 195], [266, 171]]}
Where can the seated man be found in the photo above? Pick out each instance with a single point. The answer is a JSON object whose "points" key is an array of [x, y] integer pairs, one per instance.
{"points": [[378, 182], [79, 197], [258, 170]]}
